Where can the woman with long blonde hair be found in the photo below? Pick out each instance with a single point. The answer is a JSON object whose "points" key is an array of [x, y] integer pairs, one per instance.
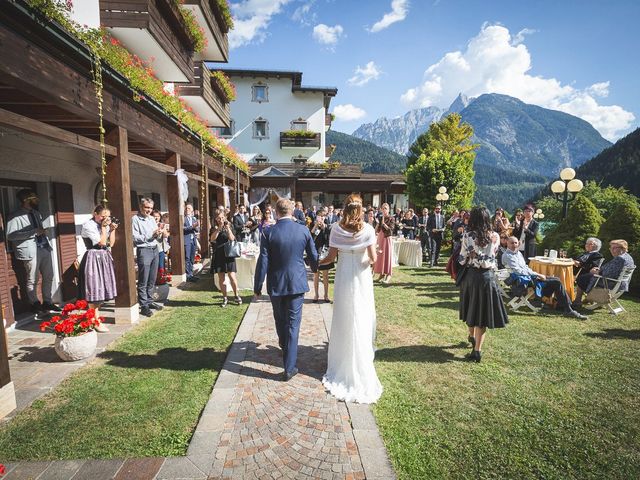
{"points": [[351, 375]]}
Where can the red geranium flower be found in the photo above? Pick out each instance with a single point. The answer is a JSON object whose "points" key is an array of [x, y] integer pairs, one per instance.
{"points": [[3, 470]]}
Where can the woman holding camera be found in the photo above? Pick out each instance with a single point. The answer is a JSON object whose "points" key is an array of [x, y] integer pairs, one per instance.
{"points": [[221, 234], [97, 277]]}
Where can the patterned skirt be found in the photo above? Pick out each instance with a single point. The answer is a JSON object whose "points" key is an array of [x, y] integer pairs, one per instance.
{"points": [[97, 277], [480, 302]]}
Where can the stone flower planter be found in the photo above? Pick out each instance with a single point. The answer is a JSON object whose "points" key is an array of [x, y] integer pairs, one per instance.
{"points": [[71, 349]]}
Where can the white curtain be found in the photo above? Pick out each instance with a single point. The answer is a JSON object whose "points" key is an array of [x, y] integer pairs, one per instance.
{"points": [[183, 184], [225, 191], [259, 195]]}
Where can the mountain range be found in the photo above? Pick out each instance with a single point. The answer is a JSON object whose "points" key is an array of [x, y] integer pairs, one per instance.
{"points": [[532, 142]]}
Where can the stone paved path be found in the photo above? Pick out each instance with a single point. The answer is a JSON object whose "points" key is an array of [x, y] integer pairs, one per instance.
{"points": [[257, 426], [286, 429]]}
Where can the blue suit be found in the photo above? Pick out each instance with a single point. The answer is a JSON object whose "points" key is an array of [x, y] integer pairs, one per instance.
{"points": [[281, 262], [190, 235]]}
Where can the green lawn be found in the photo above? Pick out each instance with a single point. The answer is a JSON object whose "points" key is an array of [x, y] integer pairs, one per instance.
{"points": [[145, 395], [552, 398]]}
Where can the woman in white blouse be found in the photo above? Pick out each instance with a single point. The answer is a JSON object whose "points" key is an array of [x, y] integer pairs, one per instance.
{"points": [[481, 304]]}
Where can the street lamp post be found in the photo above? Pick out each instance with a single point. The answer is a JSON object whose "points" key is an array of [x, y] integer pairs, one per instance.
{"points": [[566, 189], [538, 215], [442, 195]]}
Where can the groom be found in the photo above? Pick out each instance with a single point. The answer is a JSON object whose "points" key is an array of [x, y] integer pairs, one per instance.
{"points": [[281, 261]]}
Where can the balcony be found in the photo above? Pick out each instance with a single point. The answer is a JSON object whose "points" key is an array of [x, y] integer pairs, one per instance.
{"points": [[299, 139], [328, 118], [152, 29], [205, 100], [209, 16]]}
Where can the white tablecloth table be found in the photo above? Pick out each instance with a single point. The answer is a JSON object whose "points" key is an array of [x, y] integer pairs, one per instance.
{"points": [[246, 268], [406, 252]]}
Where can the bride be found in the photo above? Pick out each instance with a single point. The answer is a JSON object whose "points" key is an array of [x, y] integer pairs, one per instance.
{"points": [[351, 375]]}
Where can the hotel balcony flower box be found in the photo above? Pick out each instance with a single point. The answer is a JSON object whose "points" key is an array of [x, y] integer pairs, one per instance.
{"points": [[152, 29], [209, 16], [208, 103], [299, 139]]}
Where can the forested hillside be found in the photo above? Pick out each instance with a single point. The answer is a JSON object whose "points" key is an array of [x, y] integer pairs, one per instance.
{"points": [[618, 165], [374, 159]]}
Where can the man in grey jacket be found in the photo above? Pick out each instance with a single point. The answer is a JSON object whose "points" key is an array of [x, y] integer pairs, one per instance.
{"points": [[146, 233], [31, 247]]}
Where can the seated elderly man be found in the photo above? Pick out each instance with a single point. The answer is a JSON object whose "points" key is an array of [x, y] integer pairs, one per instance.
{"points": [[586, 261], [611, 269], [513, 260]]}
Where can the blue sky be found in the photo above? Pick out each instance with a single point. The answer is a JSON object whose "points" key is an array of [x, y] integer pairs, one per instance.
{"points": [[578, 56]]}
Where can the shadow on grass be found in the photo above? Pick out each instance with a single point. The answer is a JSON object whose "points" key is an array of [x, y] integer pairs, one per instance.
{"points": [[615, 334], [167, 359], [187, 303], [419, 353]]}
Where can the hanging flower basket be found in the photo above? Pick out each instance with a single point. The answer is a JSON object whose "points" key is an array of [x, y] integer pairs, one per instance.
{"points": [[75, 331]]}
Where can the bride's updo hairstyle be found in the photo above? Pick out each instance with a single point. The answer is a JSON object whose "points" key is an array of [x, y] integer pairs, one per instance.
{"points": [[352, 217]]}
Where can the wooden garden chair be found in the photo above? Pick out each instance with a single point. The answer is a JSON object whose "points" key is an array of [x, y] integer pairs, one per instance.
{"points": [[607, 291]]}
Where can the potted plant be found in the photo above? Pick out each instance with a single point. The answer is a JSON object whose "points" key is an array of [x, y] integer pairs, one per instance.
{"points": [[76, 336]]}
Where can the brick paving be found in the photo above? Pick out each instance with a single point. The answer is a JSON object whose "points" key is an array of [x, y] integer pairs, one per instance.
{"points": [[256, 426], [277, 429]]}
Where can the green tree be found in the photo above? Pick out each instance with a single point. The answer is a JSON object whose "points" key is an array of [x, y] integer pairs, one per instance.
{"points": [[442, 168], [447, 135], [623, 223], [583, 221]]}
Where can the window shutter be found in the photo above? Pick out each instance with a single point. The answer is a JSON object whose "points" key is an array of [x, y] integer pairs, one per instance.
{"points": [[66, 228]]}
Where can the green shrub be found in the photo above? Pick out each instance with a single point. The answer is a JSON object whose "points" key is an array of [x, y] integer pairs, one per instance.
{"points": [[583, 221], [623, 223]]}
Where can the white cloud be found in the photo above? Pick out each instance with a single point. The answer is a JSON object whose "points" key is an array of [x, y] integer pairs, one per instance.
{"points": [[348, 112], [303, 14], [251, 19], [399, 9], [497, 62], [362, 76], [518, 38], [327, 35]]}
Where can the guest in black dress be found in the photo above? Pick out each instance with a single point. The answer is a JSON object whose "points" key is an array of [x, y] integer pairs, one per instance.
{"points": [[221, 234], [481, 304], [408, 226], [97, 277], [320, 233]]}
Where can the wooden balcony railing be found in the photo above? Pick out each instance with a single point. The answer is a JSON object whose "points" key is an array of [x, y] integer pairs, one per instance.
{"points": [[288, 140], [218, 114], [131, 21], [210, 18]]}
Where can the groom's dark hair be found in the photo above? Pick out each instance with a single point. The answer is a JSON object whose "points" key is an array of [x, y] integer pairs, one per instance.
{"points": [[284, 207]]}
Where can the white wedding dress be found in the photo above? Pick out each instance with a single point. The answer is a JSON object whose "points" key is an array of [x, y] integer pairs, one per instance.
{"points": [[351, 375]]}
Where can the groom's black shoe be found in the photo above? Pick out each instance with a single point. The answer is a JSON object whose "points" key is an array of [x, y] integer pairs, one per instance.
{"points": [[286, 376]]}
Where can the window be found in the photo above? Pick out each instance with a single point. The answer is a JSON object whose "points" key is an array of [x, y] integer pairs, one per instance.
{"points": [[225, 132], [260, 128], [299, 159], [259, 93], [299, 124], [260, 159]]}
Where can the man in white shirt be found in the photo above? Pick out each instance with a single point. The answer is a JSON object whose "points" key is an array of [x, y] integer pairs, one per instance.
{"points": [[513, 260]]}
